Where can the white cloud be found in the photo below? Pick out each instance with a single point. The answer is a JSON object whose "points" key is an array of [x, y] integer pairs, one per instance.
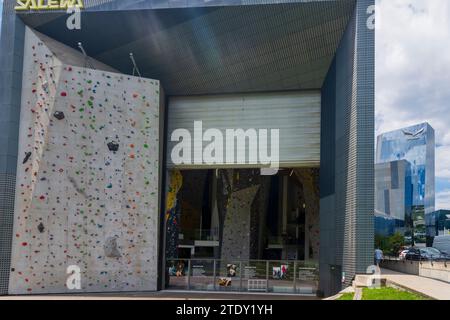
{"points": [[413, 71], [443, 199], [442, 162]]}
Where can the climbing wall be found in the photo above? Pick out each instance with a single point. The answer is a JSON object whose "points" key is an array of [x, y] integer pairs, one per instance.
{"points": [[172, 216], [237, 191], [236, 231], [87, 178]]}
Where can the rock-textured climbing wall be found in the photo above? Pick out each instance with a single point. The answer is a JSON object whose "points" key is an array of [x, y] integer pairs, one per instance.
{"points": [[172, 216], [237, 189], [309, 178], [236, 230], [88, 177], [258, 218]]}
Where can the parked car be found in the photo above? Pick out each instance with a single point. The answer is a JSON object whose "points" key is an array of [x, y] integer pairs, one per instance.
{"points": [[420, 254], [442, 243], [402, 254]]}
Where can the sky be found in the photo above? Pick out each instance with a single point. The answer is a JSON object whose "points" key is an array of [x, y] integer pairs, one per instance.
{"points": [[413, 75]]}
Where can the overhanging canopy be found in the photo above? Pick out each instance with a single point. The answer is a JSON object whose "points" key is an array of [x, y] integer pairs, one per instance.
{"points": [[224, 47]]}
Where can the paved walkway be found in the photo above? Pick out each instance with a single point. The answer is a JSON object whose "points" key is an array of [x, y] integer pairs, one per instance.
{"points": [[165, 295], [358, 294], [432, 288]]}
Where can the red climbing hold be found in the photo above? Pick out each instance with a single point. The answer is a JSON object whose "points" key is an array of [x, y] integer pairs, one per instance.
{"points": [[42, 197], [24, 244], [63, 94]]}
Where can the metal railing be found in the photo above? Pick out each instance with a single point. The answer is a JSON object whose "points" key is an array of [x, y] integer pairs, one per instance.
{"points": [[420, 259], [280, 276]]}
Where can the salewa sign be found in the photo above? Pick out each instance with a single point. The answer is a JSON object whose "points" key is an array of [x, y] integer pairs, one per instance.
{"points": [[48, 4]]}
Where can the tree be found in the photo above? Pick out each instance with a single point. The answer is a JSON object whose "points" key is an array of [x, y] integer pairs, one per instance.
{"points": [[390, 245], [396, 242]]}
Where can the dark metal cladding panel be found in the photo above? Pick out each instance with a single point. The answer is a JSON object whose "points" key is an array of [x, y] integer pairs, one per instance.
{"points": [[348, 245], [365, 108], [11, 59], [286, 45]]}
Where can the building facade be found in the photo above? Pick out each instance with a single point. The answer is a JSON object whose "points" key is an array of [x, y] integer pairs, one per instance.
{"points": [[416, 144], [87, 179], [393, 196], [437, 224], [386, 226]]}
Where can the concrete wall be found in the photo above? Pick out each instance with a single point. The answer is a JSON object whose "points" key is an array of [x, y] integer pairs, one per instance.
{"points": [[433, 270], [77, 202], [409, 267]]}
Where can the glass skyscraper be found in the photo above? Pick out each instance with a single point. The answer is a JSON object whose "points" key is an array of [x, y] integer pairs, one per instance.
{"points": [[393, 196], [438, 224], [416, 144]]}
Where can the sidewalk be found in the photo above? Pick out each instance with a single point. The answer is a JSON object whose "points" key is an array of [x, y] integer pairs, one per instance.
{"points": [[435, 289], [164, 295]]}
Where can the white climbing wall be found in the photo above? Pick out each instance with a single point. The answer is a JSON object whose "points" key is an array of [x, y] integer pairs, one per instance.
{"points": [[77, 202]]}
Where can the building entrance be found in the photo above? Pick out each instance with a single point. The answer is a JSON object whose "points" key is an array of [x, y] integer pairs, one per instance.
{"points": [[236, 230]]}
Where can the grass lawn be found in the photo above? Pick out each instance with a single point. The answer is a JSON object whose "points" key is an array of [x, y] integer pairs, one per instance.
{"points": [[387, 293], [347, 296]]}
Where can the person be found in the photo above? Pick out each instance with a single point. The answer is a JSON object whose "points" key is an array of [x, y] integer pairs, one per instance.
{"points": [[378, 256], [180, 269]]}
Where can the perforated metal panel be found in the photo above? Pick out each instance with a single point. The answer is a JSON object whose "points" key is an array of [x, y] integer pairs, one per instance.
{"points": [[212, 47], [7, 194], [347, 166]]}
